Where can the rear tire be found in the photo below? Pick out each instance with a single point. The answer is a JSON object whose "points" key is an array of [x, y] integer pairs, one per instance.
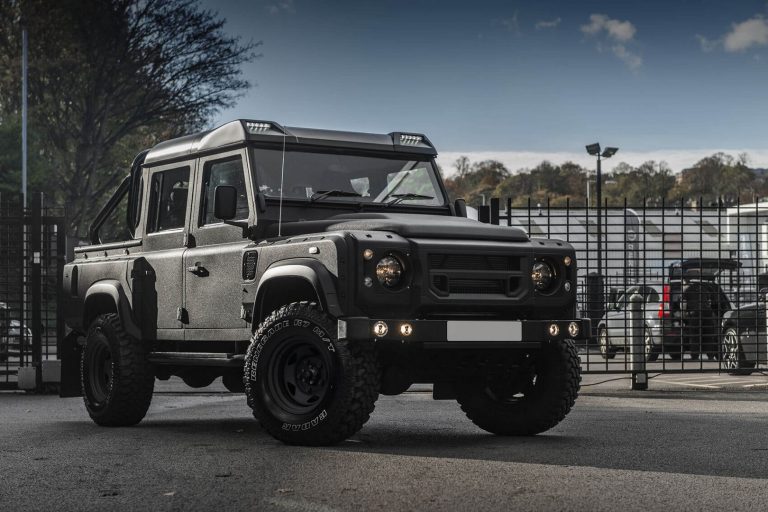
{"points": [[733, 358], [116, 377], [233, 382], [651, 350], [529, 405], [606, 351], [304, 385]]}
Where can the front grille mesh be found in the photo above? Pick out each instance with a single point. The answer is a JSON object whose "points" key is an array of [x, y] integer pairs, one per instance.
{"points": [[473, 274], [473, 262]]}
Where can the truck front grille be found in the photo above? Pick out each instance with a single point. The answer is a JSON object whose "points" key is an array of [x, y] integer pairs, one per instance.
{"points": [[473, 262], [473, 274]]}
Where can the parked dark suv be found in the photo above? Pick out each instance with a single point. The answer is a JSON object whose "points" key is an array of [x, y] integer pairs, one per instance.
{"points": [[681, 315], [313, 270]]}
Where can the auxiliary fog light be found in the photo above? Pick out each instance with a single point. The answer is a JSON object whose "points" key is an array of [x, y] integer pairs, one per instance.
{"points": [[573, 329], [567, 286], [368, 282], [406, 329], [380, 329], [554, 330]]}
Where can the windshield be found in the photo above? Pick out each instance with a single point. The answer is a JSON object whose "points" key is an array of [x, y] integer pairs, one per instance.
{"points": [[315, 176]]}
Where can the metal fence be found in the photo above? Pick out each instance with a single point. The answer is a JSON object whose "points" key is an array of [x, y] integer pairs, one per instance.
{"points": [[698, 275], [32, 255], [669, 288]]}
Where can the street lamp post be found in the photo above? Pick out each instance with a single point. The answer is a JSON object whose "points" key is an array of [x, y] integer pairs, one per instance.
{"points": [[594, 150]]}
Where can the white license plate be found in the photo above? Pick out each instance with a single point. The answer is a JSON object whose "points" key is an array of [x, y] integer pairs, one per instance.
{"points": [[459, 330]]}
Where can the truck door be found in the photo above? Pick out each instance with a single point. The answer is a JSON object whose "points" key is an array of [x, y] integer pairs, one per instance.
{"points": [[213, 263], [167, 211]]}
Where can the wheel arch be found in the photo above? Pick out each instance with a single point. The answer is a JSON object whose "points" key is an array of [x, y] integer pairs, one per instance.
{"points": [[108, 296], [293, 281]]}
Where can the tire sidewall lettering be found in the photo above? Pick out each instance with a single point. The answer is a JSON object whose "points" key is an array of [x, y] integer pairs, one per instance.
{"points": [[295, 427], [313, 330]]}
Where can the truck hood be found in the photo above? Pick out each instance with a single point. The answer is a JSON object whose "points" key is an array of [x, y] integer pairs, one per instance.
{"points": [[406, 225]]}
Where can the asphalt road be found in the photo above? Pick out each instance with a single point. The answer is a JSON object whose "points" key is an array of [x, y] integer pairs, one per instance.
{"points": [[663, 450]]}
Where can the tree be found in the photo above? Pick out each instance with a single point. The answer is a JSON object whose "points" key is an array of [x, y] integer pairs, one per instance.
{"points": [[478, 183], [718, 177], [110, 77]]}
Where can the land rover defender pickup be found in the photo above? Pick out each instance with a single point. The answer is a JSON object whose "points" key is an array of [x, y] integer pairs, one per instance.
{"points": [[313, 270]]}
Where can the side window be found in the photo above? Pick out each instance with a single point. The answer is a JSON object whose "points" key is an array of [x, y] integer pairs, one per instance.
{"points": [[226, 172], [168, 199], [115, 227]]}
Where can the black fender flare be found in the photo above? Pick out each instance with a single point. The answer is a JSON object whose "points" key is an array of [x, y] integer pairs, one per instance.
{"points": [[109, 290], [307, 270]]}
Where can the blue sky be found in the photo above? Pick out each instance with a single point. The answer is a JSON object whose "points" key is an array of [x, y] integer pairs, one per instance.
{"points": [[516, 80]]}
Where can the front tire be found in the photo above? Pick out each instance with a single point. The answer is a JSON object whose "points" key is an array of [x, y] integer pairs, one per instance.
{"points": [[304, 385], [733, 358], [531, 403], [116, 377]]}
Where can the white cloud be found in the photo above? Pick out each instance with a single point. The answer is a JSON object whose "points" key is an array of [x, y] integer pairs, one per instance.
{"points": [[281, 6], [544, 24], [511, 24], [744, 35], [707, 45], [621, 31], [617, 34], [678, 159], [632, 60]]}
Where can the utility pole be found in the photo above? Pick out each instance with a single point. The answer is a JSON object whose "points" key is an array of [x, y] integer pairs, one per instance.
{"points": [[24, 113]]}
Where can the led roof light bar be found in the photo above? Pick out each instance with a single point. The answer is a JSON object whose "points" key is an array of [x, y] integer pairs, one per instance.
{"points": [[255, 128], [410, 140]]}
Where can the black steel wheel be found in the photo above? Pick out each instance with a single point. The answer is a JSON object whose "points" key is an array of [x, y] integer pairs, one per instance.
{"points": [[733, 358], [116, 378], [606, 351], [304, 385], [529, 401]]}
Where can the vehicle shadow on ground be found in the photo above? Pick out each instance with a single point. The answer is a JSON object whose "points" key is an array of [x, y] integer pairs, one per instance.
{"points": [[620, 439]]}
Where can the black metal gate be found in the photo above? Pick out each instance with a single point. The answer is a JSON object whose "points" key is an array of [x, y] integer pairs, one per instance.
{"points": [[32, 255], [699, 272]]}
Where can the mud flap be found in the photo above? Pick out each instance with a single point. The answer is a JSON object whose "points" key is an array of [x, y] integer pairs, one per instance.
{"points": [[69, 353]]}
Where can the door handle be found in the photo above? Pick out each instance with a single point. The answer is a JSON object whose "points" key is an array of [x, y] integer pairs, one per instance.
{"points": [[198, 270]]}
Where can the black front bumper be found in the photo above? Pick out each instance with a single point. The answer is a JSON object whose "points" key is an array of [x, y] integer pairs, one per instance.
{"points": [[463, 333]]}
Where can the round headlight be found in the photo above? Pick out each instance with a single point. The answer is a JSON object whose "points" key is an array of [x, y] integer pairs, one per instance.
{"points": [[542, 275], [389, 271]]}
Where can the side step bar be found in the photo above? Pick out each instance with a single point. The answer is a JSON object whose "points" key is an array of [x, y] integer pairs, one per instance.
{"points": [[197, 359]]}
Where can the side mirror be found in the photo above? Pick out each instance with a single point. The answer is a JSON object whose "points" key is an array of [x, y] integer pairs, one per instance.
{"points": [[225, 202], [461, 207], [762, 295]]}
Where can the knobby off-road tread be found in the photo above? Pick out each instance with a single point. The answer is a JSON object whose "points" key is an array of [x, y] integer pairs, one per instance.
{"points": [[360, 388], [133, 378], [537, 413]]}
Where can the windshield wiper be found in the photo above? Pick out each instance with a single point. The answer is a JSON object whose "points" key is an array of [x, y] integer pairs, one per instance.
{"points": [[402, 197], [322, 194]]}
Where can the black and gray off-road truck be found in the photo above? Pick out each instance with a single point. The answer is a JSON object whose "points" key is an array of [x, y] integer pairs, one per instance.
{"points": [[314, 270]]}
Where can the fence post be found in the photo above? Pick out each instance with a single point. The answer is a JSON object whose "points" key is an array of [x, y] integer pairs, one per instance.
{"points": [[35, 245], [637, 323], [495, 210]]}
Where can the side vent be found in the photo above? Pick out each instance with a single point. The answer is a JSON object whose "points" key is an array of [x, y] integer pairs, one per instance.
{"points": [[250, 259]]}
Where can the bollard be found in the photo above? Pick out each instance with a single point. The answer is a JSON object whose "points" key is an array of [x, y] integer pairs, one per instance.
{"points": [[637, 333]]}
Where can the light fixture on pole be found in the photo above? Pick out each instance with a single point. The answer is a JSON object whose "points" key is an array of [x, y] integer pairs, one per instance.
{"points": [[594, 150]]}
